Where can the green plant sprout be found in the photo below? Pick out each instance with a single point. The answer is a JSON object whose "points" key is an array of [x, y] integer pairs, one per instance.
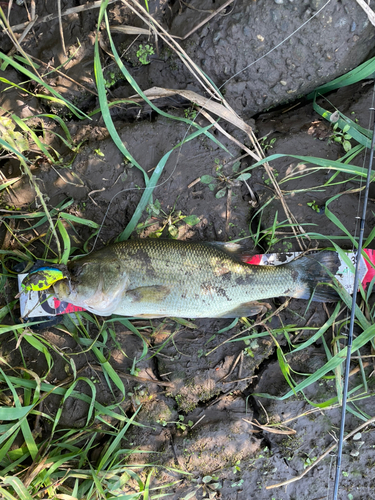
{"points": [[110, 80], [172, 220], [179, 423], [233, 180], [267, 181], [190, 113], [308, 461], [267, 145], [144, 52], [342, 137]]}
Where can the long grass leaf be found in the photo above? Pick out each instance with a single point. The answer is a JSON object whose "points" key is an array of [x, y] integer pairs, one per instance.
{"points": [[18, 486], [151, 185], [79, 220], [66, 242], [9, 147], [364, 70], [336, 360], [35, 138], [9, 413], [77, 112], [102, 93], [115, 443], [321, 162], [319, 333]]}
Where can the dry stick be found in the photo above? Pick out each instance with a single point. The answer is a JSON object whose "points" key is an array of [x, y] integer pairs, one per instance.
{"points": [[331, 448], [60, 26], [32, 9], [225, 5], [21, 38], [272, 430], [53, 69], [16, 44], [73, 10], [227, 134], [233, 367], [370, 13], [194, 8]]}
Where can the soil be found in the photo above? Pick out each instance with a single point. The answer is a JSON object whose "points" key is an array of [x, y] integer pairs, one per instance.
{"points": [[217, 384]]}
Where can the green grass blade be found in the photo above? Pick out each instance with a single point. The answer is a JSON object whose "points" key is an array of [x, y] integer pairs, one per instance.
{"points": [[18, 487], [319, 333], [77, 112], [321, 162], [115, 444], [102, 93], [35, 138], [8, 147], [79, 220], [9, 413], [34, 342], [66, 242], [363, 71], [109, 370], [359, 134], [336, 360], [151, 185], [8, 183]]}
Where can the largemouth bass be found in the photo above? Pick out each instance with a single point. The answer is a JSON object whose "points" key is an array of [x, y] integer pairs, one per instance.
{"points": [[157, 278]]}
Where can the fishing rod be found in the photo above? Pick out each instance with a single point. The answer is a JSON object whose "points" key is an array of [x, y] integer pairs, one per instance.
{"points": [[352, 315]]}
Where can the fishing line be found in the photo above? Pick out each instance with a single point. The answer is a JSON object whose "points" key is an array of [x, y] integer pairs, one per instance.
{"points": [[195, 118], [352, 315]]}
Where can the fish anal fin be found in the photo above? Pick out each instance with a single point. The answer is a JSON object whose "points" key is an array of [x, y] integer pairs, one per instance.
{"points": [[152, 294], [247, 309]]}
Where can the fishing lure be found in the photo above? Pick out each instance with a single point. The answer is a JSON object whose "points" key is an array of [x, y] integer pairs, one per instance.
{"points": [[43, 278]]}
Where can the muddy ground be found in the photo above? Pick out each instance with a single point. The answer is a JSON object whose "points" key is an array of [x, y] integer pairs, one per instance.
{"points": [[203, 375]]}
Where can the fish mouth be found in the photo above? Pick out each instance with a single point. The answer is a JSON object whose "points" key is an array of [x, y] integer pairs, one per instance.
{"points": [[94, 300]]}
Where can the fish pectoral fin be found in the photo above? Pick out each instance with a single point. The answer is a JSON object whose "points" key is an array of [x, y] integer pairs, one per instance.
{"points": [[247, 309], [152, 294]]}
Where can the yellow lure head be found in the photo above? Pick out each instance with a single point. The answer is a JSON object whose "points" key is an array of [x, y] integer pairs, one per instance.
{"points": [[42, 278]]}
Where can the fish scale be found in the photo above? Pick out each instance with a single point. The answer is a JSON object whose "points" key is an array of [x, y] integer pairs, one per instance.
{"points": [[158, 278]]}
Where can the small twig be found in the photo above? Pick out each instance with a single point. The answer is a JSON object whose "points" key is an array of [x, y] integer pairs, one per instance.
{"points": [[327, 452], [298, 335], [22, 37], [194, 183], [73, 10], [197, 422], [61, 27], [202, 23], [239, 380], [270, 429], [233, 367], [194, 8], [370, 13], [230, 136]]}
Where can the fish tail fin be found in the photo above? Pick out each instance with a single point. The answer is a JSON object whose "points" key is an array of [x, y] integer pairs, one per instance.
{"points": [[316, 273]]}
